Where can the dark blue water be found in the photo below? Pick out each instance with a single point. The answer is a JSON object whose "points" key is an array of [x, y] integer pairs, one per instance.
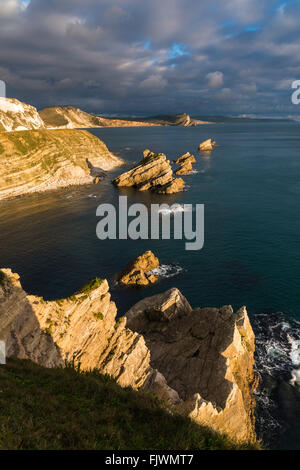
{"points": [[250, 186]]}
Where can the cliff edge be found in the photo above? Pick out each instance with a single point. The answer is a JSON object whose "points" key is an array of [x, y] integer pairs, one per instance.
{"points": [[199, 361]]}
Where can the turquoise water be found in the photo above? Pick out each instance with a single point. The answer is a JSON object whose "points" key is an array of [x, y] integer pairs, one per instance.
{"points": [[250, 186]]}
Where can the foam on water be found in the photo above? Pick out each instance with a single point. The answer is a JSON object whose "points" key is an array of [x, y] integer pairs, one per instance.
{"points": [[173, 210], [277, 361], [166, 270]]}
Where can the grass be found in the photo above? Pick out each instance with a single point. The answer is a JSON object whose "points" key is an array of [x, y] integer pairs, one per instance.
{"points": [[90, 286], [67, 409]]}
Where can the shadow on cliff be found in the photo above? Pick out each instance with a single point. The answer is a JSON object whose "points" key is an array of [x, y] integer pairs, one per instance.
{"points": [[21, 331]]}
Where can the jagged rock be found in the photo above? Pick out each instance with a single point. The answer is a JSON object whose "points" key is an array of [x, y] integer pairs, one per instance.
{"points": [[81, 328], [154, 172], [174, 186], [199, 361], [205, 355], [138, 272], [207, 145], [161, 307], [186, 164]]}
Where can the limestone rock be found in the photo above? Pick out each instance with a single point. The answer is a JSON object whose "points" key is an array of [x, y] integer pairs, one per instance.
{"points": [[199, 361], [43, 159], [161, 307], [71, 117], [207, 145], [81, 328], [185, 163], [16, 116], [154, 172], [206, 356], [138, 272], [174, 186]]}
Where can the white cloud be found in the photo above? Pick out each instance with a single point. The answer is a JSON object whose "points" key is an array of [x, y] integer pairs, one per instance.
{"points": [[215, 79], [156, 82]]}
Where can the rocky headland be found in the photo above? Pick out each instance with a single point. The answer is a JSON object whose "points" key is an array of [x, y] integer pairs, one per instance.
{"points": [[138, 273], [71, 117], [39, 160], [199, 361], [153, 172]]}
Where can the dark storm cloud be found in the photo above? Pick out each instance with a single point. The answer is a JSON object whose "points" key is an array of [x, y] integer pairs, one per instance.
{"points": [[152, 56]]}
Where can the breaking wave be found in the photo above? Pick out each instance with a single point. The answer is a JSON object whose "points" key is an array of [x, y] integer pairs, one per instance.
{"points": [[277, 362], [173, 210], [167, 270]]}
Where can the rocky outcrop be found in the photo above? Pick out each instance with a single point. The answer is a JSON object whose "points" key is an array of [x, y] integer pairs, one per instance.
{"points": [[138, 272], [200, 361], [39, 160], [153, 172], [207, 145], [205, 355], [16, 116], [71, 117], [181, 119], [185, 163], [81, 329]]}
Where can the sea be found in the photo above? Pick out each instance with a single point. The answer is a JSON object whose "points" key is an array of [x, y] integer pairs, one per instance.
{"points": [[250, 187]]}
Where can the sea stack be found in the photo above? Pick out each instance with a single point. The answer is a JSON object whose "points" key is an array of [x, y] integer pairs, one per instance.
{"points": [[138, 272], [207, 145], [154, 173]]}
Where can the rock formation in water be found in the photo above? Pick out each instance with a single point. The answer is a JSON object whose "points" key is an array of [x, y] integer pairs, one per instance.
{"points": [[200, 361], [39, 160], [153, 172], [16, 116], [185, 163], [71, 117], [207, 145], [138, 272]]}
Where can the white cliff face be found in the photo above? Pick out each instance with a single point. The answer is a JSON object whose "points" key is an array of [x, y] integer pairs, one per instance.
{"points": [[17, 116]]}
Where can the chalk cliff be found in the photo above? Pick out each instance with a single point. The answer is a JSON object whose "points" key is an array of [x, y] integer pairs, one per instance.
{"points": [[42, 159], [16, 116], [200, 361]]}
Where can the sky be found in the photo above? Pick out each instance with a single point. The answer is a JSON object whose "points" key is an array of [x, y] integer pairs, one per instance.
{"points": [[134, 57]]}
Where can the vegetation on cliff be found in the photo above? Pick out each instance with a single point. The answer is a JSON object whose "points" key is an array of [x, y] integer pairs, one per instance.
{"points": [[62, 408], [72, 117], [45, 159]]}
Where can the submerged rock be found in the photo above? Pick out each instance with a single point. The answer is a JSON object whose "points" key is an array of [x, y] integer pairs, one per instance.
{"points": [[138, 272], [207, 145], [154, 173]]}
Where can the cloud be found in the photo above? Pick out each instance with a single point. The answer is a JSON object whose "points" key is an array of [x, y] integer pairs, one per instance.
{"points": [[215, 79], [237, 56], [154, 82]]}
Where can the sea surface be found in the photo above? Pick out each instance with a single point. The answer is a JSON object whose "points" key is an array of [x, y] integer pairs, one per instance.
{"points": [[250, 186]]}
